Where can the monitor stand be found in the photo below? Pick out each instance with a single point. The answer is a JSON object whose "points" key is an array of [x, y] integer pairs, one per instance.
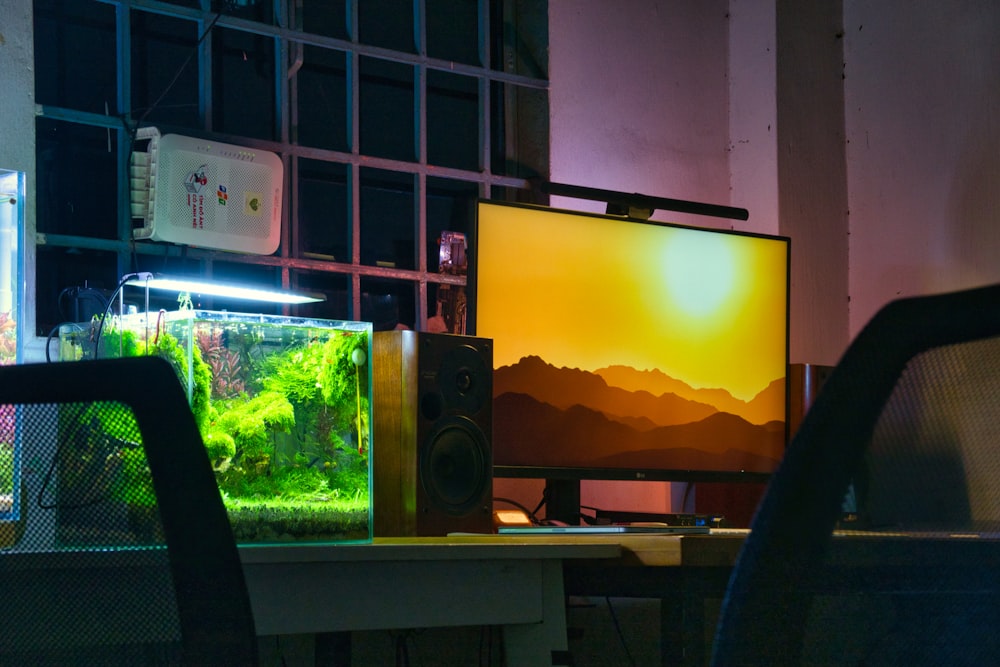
{"points": [[562, 500]]}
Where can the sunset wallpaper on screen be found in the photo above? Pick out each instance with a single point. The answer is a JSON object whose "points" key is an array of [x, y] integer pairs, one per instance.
{"points": [[635, 345]]}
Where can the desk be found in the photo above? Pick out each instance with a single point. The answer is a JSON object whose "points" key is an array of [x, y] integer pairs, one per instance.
{"points": [[686, 571], [682, 571], [423, 582], [320, 589]]}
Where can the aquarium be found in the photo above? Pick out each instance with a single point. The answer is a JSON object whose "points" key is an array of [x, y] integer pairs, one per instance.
{"points": [[283, 406], [11, 224]]}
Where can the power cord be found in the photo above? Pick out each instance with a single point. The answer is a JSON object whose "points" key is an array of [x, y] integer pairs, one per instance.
{"points": [[618, 631]]}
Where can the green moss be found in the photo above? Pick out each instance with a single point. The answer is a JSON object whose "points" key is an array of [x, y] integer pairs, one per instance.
{"points": [[117, 342], [6, 467], [252, 423], [220, 447], [134, 483], [168, 347]]}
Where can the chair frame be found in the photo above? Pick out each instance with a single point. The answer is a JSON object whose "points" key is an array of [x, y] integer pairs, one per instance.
{"points": [[214, 611], [764, 610]]}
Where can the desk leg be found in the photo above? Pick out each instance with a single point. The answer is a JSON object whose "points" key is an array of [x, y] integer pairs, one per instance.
{"points": [[332, 649], [543, 644], [686, 627]]}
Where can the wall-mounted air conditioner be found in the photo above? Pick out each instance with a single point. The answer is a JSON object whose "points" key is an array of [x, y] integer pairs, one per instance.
{"points": [[204, 193]]}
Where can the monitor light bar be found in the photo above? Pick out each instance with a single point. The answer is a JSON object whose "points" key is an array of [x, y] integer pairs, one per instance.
{"points": [[217, 289]]}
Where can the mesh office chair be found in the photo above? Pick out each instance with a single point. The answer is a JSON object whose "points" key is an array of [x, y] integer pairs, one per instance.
{"points": [[910, 420], [115, 547]]}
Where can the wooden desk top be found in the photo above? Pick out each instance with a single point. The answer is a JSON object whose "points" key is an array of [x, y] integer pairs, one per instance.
{"points": [[716, 550], [458, 547]]}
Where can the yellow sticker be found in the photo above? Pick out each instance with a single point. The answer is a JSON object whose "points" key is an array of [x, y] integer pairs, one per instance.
{"points": [[253, 203]]}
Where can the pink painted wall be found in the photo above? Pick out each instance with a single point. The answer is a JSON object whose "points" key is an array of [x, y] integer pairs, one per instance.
{"points": [[922, 112], [869, 133]]}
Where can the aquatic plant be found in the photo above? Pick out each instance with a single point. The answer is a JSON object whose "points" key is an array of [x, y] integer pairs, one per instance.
{"points": [[8, 338], [134, 482], [227, 381], [92, 439], [6, 468], [116, 341], [251, 424], [330, 399], [221, 448], [167, 346], [269, 524]]}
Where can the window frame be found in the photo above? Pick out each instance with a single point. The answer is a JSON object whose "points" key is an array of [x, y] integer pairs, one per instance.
{"points": [[289, 43]]}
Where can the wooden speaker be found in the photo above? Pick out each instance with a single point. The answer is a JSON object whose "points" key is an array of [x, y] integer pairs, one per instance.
{"points": [[804, 383], [432, 416]]}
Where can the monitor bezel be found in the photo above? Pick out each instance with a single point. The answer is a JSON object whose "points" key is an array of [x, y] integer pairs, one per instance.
{"points": [[576, 473]]}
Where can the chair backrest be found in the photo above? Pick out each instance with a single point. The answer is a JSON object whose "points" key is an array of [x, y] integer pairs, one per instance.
{"points": [[115, 547], [910, 421]]}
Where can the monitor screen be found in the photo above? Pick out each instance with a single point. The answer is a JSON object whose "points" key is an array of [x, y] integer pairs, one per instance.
{"points": [[628, 349]]}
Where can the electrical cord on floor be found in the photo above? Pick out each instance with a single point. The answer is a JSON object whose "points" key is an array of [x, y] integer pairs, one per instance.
{"points": [[618, 631], [486, 645]]}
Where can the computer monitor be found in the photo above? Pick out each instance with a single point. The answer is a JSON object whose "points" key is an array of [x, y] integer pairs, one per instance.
{"points": [[630, 350]]}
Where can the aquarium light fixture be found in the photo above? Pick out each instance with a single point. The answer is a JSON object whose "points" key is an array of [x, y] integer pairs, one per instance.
{"points": [[209, 288]]}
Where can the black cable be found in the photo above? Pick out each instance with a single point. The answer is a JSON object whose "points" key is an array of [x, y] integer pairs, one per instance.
{"points": [[133, 129], [402, 649], [177, 74], [107, 311], [48, 479], [688, 488], [48, 341], [618, 631]]}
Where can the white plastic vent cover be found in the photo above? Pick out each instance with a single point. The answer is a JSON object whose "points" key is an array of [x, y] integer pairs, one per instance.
{"points": [[205, 193]]}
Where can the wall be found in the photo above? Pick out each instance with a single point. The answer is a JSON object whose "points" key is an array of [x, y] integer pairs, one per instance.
{"points": [[639, 99], [639, 103], [922, 113], [17, 112], [682, 99], [812, 175]]}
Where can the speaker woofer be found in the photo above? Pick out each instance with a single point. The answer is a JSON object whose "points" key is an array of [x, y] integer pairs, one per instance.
{"points": [[455, 465]]}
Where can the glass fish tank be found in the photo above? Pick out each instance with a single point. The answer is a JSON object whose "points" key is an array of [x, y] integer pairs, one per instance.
{"points": [[283, 405], [11, 226]]}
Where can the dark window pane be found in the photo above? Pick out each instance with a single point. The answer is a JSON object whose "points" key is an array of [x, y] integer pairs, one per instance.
{"points": [[523, 195], [447, 310], [452, 120], [243, 95], [245, 275], [386, 23], [519, 131], [450, 208], [164, 70], [77, 179], [322, 99], [75, 55], [71, 285], [388, 219], [262, 11], [326, 17], [453, 30], [520, 37], [334, 286], [388, 128], [323, 222], [388, 304]]}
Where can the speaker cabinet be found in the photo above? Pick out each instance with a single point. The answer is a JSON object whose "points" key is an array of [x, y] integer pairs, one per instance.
{"points": [[804, 382], [432, 412]]}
